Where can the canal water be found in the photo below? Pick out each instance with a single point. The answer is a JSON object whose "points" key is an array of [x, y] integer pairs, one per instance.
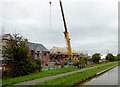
{"points": [[108, 78]]}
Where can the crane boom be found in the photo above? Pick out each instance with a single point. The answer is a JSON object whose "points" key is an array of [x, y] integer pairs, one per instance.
{"points": [[65, 26], [70, 55]]}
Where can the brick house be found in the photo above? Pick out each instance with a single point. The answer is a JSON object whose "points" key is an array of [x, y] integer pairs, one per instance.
{"points": [[38, 51], [3, 41]]}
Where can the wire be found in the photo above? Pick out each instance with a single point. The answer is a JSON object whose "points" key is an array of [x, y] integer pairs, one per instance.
{"points": [[50, 12]]}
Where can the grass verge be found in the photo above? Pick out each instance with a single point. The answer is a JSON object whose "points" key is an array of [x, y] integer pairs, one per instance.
{"points": [[76, 77], [42, 74]]}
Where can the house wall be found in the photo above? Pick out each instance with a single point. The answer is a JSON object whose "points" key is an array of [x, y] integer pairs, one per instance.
{"points": [[47, 56], [3, 42], [42, 56], [6, 66], [46, 59], [55, 57]]}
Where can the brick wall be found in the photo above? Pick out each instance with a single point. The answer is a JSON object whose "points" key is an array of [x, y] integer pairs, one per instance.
{"points": [[46, 55]]}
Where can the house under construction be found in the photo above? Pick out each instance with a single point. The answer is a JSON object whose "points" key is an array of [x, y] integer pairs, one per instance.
{"points": [[60, 53]]}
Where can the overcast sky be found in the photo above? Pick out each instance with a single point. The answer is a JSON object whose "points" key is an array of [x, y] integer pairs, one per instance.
{"points": [[92, 24]]}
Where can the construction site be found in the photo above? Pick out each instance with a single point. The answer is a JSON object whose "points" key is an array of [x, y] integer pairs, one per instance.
{"points": [[58, 55], [58, 43], [64, 53]]}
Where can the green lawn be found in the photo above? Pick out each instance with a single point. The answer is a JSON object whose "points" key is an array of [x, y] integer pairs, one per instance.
{"points": [[76, 77], [42, 74]]}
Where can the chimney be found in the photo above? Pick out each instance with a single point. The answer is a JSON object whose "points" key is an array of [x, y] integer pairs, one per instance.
{"points": [[26, 40]]}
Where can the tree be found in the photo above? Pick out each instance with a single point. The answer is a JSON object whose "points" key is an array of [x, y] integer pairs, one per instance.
{"points": [[110, 57], [96, 57], [118, 57], [18, 54], [83, 60]]}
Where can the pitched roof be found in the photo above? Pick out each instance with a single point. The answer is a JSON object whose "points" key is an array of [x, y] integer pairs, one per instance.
{"points": [[6, 35], [34, 46], [62, 50]]}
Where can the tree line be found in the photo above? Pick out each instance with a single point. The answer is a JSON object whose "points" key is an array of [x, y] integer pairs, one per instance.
{"points": [[109, 57]]}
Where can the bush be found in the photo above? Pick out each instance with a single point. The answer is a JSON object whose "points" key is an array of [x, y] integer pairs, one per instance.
{"points": [[76, 63], [22, 69], [18, 53], [62, 65], [82, 60], [38, 65], [4, 74]]}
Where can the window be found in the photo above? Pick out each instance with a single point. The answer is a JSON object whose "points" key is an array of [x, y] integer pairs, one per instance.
{"points": [[4, 62], [45, 54], [38, 54]]}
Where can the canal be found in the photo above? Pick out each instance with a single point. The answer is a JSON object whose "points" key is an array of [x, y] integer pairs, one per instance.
{"points": [[108, 78]]}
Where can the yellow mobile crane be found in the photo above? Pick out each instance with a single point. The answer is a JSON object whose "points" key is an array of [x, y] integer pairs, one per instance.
{"points": [[70, 55]]}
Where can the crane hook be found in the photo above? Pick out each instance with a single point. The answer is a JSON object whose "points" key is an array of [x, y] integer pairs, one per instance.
{"points": [[50, 2], [50, 11]]}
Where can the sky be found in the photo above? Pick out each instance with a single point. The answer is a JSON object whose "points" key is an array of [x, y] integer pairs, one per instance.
{"points": [[92, 24]]}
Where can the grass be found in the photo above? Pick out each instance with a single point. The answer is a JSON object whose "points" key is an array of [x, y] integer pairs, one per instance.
{"points": [[76, 77], [42, 74]]}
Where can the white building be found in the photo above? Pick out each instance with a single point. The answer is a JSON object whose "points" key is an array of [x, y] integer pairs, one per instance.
{"points": [[3, 40]]}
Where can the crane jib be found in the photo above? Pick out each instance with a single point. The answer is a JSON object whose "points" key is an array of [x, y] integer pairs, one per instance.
{"points": [[70, 55], [63, 16]]}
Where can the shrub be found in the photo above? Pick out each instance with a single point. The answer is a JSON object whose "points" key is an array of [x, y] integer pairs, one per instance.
{"points": [[76, 63], [4, 73], [62, 65], [38, 65], [82, 60], [18, 54]]}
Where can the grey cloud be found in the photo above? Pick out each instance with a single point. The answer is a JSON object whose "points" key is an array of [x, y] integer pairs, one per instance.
{"points": [[92, 25]]}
